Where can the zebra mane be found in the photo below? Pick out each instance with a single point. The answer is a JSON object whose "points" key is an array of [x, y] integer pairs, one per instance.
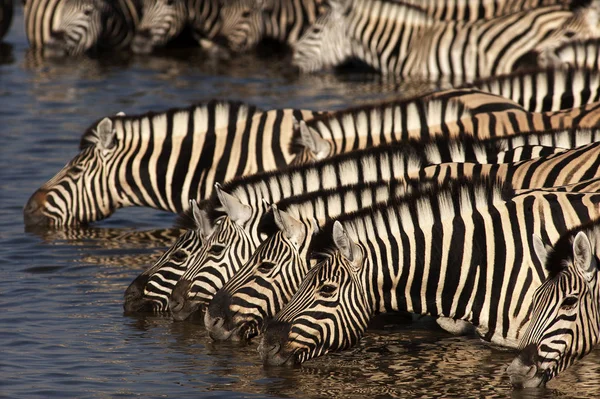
{"points": [[411, 13], [186, 220], [90, 137], [561, 253], [322, 246], [575, 5]]}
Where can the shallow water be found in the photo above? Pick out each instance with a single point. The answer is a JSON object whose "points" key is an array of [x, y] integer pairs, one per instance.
{"points": [[63, 333]]}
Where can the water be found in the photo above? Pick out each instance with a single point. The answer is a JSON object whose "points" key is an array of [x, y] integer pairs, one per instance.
{"points": [[62, 331]]}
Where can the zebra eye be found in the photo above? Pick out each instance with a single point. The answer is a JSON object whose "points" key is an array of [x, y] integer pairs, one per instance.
{"points": [[265, 267], [569, 303], [170, 2], [569, 34], [216, 249], [245, 14], [327, 290], [179, 256], [75, 171], [87, 11]]}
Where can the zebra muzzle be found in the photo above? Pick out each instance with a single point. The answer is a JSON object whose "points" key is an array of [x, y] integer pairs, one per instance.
{"points": [[273, 346], [523, 371], [33, 211]]}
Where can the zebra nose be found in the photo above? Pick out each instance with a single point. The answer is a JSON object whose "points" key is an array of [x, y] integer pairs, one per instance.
{"points": [[142, 42], [523, 370], [58, 35], [134, 296], [179, 305], [273, 343], [33, 210]]}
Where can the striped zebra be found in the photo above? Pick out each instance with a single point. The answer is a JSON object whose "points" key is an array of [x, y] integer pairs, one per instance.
{"points": [[565, 317], [467, 10], [217, 25], [234, 233], [452, 113], [256, 292], [545, 90], [400, 40], [162, 160], [6, 14], [463, 253], [72, 27], [584, 54]]}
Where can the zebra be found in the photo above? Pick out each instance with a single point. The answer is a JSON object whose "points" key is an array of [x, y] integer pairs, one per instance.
{"points": [[266, 282], [162, 21], [397, 257], [73, 27], [234, 235], [162, 160], [452, 113], [400, 40], [545, 90], [565, 317], [584, 54], [6, 15], [461, 10]]}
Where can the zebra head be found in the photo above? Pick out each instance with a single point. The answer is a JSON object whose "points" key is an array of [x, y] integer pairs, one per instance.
{"points": [[226, 249], [265, 283], [329, 311], [325, 43], [241, 25], [150, 291], [309, 146], [80, 27], [162, 20], [80, 193], [582, 24], [565, 318]]}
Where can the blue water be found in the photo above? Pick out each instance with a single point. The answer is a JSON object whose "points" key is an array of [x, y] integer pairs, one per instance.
{"points": [[62, 330]]}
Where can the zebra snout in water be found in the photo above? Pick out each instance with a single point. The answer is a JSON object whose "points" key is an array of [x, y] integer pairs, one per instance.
{"points": [[180, 305], [523, 370], [274, 343], [57, 45], [134, 296], [142, 42], [33, 211], [217, 318]]}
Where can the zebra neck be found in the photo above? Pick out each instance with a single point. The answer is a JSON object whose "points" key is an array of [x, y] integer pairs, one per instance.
{"points": [[121, 24]]}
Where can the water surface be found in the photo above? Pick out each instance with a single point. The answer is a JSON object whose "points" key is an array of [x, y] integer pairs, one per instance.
{"points": [[63, 333]]}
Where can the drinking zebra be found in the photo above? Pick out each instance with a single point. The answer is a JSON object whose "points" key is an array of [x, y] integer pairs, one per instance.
{"points": [[401, 40], [397, 257], [162, 160], [72, 27], [565, 318], [6, 14], [234, 237]]}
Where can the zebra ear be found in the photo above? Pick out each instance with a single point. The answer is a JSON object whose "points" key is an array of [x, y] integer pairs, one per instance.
{"points": [[346, 246], [200, 219], [583, 257], [289, 225], [236, 211], [312, 140], [541, 250], [106, 134]]}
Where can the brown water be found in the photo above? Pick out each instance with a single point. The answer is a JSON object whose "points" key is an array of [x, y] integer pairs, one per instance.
{"points": [[62, 331]]}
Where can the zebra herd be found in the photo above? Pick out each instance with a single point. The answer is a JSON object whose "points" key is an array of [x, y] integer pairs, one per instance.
{"points": [[478, 205]]}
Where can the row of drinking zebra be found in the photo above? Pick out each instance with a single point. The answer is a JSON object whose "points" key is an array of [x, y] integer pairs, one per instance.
{"points": [[432, 39], [477, 205]]}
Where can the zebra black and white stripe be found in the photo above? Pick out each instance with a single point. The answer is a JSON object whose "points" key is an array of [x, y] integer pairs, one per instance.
{"points": [[580, 54], [547, 89], [72, 27], [162, 21], [401, 40], [565, 317], [429, 254], [236, 235], [162, 160]]}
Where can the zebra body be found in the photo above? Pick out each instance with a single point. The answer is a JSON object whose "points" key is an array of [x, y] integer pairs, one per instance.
{"points": [[580, 54], [162, 160], [6, 15], [230, 243], [452, 113], [468, 10], [463, 253], [72, 27], [565, 317], [547, 89], [400, 40]]}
